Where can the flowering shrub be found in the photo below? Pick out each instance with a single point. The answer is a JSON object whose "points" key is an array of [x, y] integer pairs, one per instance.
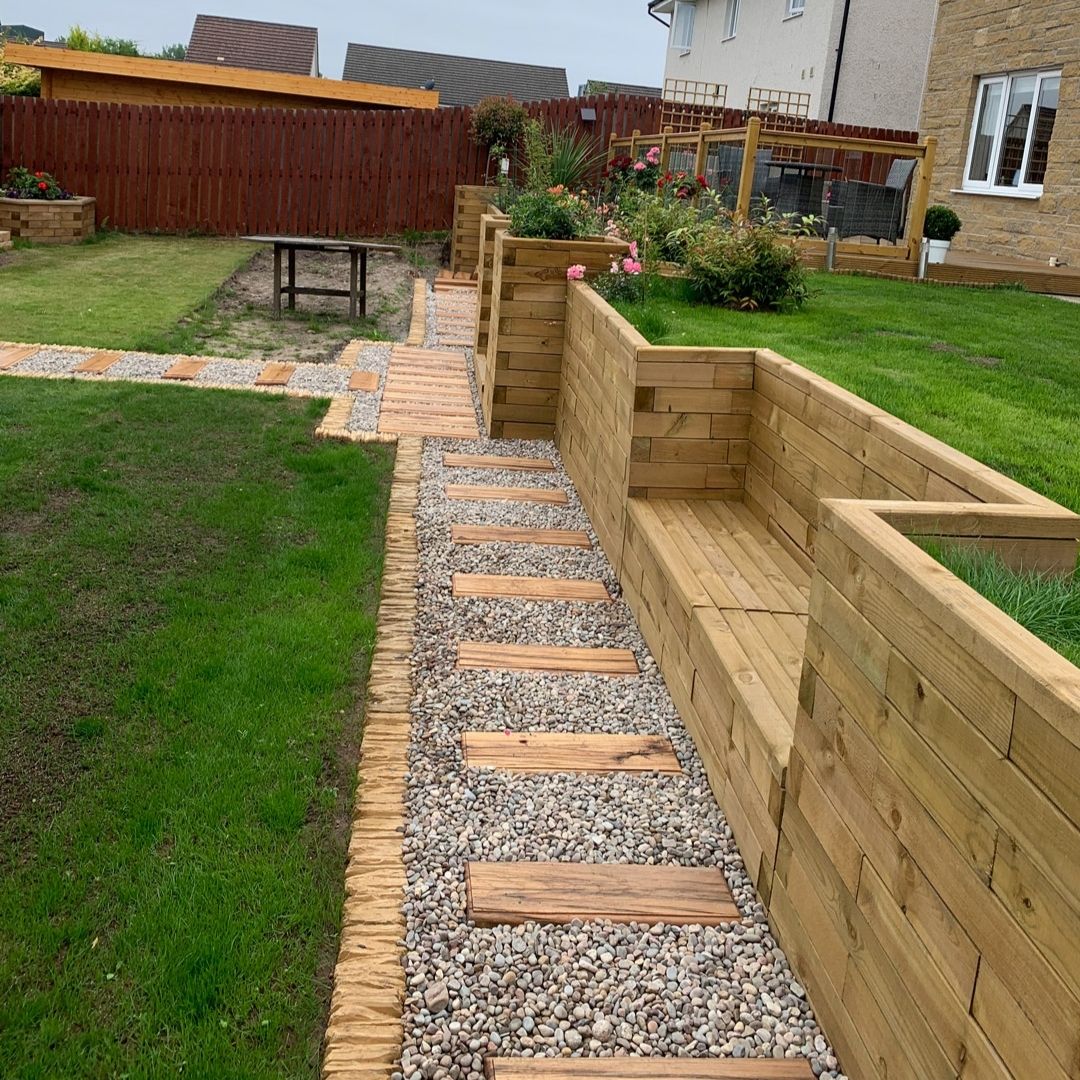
{"points": [[682, 184], [555, 214], [625, 280], [575, 272], [23, 184], [623, 173]]}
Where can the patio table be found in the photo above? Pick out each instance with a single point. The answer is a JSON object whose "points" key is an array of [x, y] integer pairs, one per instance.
{"points": [[357, 251], [802, 185]]}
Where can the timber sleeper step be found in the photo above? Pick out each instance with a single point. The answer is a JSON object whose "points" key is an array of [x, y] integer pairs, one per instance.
{"points": [[552, 659], [11, 356], [478, 492], [646, 1068], [558, 892], [505, 586], [275, 374], [554, 751], [512, 534], [97, 363], [494, 461], [183, 370]]}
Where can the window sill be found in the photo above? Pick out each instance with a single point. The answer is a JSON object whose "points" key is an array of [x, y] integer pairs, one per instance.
{"points": [[1028, 195], [680, 50], [730, 38], [793, 15]]}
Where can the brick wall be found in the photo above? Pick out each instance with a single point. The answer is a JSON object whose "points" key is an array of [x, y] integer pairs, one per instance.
{"points": [[984, 37], [63, 221]]}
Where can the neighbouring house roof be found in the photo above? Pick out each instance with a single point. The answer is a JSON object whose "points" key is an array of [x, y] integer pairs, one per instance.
{"points": [[249, 43], [19, 32], [605, 86], [460, 80]]}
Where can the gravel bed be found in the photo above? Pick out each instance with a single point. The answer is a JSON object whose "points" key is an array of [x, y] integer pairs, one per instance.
{"points": [[365, 410], [320, 379], [141, 366], [584, 988], [50, 362], [230, 372]]}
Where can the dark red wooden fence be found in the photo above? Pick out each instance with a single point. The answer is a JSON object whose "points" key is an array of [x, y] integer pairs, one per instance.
{"points": [[318, 172], [313, 172]]}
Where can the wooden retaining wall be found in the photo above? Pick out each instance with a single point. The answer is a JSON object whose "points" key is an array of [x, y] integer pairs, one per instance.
{"points": [[490, 223], [527, 326], [471, 201], [928, 878], [913, 822]]}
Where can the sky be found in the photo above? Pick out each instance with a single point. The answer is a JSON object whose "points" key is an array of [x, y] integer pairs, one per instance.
{"points": [[614, 40]]}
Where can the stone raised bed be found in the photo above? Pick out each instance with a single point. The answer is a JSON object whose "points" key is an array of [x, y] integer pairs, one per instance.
{"points": [[48, 221], [910, 809]]}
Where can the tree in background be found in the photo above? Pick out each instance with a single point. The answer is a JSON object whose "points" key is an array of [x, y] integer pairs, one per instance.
{"points": [[173, 52], [92, 41], [16, 79]]}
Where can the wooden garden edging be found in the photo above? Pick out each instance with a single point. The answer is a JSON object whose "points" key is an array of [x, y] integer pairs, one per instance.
{"points": [[914, 824], [471, 201]]}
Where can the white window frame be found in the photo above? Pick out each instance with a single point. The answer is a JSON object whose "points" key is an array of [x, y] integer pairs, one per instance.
{"points": [[989, 186], [682, 25], [731, 19], [795, 7]]}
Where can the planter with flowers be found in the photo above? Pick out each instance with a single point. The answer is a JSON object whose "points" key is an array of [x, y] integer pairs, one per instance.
{"points": [[33, 206], [549, 233]]}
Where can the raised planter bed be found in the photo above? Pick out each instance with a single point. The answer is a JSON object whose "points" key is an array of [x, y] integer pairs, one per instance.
{"points": [[470, 201], [48, 221], [899, 760]]}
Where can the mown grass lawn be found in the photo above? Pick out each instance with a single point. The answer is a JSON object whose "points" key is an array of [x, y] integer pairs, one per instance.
{"points": [[118, 292], [994, 373], [187, 592]]}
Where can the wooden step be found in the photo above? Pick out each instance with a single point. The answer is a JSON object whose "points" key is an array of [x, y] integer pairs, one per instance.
{"points": [[554, 751], [506, 494], [646, 1068], [98, 363], [511, 534], [556, 659], [366, 381], [493, 461], [11, 356], [275, 374], [529, 588], [185, 369], [559, 892]]}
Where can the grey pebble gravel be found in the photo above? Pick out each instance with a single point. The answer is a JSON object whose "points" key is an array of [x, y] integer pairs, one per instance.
{"points": [[365, 410], [230, 372], [320, 379], [585, 988], [141, 366], [50, 362]]}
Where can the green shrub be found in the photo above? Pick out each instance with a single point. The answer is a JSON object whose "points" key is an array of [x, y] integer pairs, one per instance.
{"points": [[663, 226], [497, 124], [941, 223], [552, 215], [749, 266], [17, 80], [557, 157]]}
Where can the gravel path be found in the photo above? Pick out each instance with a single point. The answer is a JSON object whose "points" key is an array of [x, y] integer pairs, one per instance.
{"points": [[365, 410], [585, 988]]}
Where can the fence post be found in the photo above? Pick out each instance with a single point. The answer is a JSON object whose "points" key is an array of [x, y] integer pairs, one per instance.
{"points": [[746, 174], [921, 196], [699, 161]]}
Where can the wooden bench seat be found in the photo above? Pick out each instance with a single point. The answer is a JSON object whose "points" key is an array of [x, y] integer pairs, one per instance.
{"points": [[724, 609]]}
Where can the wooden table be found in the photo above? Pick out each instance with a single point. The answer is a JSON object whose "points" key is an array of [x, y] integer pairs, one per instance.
{"points": [[358, 255]]}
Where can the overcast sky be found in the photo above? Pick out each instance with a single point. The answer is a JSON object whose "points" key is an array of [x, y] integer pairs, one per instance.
{"points": [[593, 39]]}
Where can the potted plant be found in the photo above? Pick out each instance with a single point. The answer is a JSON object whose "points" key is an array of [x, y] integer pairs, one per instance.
{"points": [[497, 125], [939, 227]]}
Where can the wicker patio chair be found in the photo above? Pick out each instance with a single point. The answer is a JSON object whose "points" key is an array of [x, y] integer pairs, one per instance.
{"points": [[856, 208]]}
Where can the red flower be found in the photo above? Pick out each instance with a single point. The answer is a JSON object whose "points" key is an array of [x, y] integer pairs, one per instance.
{"points": [[43, 186], [39, 175]]}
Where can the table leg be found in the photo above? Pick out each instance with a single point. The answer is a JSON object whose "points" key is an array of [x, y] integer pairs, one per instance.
{"points": [[292, 279], [363, 282], [277, 282], [353, 256]]}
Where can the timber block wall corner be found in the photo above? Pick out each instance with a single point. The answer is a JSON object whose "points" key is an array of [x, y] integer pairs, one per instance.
{"points": [[470, 202], [490, 223]]}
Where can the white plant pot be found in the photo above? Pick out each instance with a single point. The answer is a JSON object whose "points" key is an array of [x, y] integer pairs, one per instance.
{"points": [[936, 251]]}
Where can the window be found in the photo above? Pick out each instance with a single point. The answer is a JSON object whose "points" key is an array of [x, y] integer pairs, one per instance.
{"points": [[682, 25], [795, 7], [1010, 133], [731, 18]]}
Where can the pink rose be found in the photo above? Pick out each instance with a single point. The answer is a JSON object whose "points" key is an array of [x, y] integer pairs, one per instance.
{"points": [[575, 272], [639, 166], [631, 266], [614, 267], [633, 249], [653, 156]]}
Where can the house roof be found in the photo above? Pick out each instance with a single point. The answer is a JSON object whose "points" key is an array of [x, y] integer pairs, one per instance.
{"points": [[19, 32], [249, 43], [460, 80]]}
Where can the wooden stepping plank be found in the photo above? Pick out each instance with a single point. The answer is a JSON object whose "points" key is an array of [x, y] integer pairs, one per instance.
{"points": [[529, 588], [185, 369], [364, 380], [10, 357], [275, 374], [506, 494], [511, 534], [556, 659], [98, 363], [493, 461], [553, 751], [559, 892], [646, 1068]]}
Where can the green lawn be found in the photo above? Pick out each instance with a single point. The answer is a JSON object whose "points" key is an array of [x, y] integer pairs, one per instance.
{"points": [[187, 592], [994, 373], [117, 292]]}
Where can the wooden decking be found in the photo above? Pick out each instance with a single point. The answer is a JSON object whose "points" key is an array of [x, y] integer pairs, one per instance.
{"points": [[427, 392], [555, 751]]}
